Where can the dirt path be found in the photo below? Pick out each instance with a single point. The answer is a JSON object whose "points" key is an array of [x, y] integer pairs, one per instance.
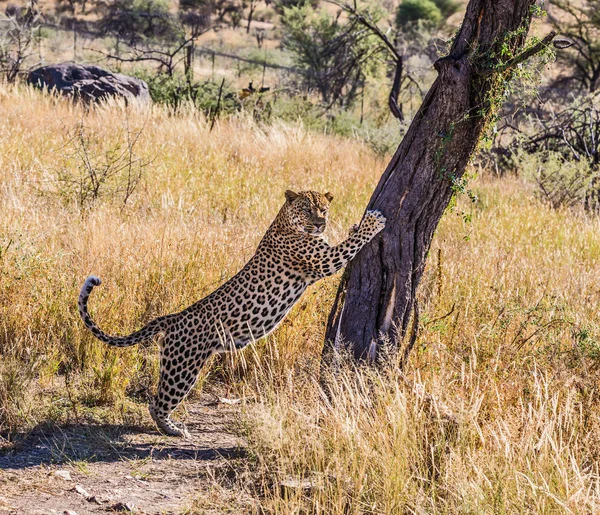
{"points": [[107, 469]]}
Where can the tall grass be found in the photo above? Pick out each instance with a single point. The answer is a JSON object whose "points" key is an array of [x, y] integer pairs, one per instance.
{"points": [[203, 204], [496, 412]]}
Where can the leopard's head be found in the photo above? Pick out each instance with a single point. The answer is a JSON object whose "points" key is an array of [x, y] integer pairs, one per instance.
{"points": [[307, 211]]}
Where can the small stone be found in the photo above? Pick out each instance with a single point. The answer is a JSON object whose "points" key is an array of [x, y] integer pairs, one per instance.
{"points": [[292, 484], [230, 401], [64, 474], [70, 512], [123, 506], [82, 491]]}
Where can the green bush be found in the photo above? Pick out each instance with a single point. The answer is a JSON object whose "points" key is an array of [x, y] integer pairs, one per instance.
{"points": [[205, 6], [281, 5], [561, 182], [382, 139], [135, 20], [447, 7], [334, 55], [175, 91], [431, 12], [412, 11]]}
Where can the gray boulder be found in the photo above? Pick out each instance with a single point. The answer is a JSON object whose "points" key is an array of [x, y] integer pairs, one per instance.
{"points": [[89, 83]]}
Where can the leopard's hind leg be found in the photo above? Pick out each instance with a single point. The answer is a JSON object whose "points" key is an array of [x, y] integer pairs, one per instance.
{"points": [[179, 369]]}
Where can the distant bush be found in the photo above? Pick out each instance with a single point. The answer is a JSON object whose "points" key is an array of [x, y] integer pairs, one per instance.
{"points": [[281, 5], [567, 145], [447, 7], [175, 91], [430, 12], [197, 5], [384, 139], [334, 55], [578, 22], [410, 11], [135, 20], [299, 108], [19, 27], [562, 183]]}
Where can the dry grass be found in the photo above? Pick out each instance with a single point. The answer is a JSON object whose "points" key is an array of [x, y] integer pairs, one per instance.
{"points": [[497, 412], [204, 203]]}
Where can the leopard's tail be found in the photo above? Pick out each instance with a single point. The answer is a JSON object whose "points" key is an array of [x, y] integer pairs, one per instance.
{"points": [[145, 333]]}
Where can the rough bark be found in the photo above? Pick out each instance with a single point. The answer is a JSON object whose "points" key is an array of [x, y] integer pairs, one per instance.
{"points": [[377, 296]]}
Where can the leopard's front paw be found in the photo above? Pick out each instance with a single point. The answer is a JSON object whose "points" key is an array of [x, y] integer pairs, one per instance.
{"points": [[373, 222]]}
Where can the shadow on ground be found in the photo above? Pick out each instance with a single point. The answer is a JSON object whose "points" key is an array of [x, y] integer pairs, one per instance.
{"points": [[212, 436], [92, 468], [55, 444]]}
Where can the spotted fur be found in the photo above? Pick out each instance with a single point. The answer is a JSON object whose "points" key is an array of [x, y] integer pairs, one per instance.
{"points": [[291, 256]]}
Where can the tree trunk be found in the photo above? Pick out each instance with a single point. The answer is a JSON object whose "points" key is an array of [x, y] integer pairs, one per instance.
{"points": [[250, 14], [377, 296]]}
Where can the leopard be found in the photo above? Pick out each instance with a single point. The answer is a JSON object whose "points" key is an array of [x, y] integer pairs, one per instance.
{"points": [[292, 255]]}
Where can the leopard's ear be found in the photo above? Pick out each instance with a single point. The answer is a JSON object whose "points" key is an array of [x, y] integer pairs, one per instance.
{"points": [[290, 195], [329, 196]]}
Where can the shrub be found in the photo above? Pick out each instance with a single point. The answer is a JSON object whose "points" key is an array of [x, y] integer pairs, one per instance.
{"points": [[447, 7], [567, 146], [175, 91], [334, 56], [18, 28], [282, 5], [431, 12], [558, 182], [136, 20], [96, 169], [412, 11]]}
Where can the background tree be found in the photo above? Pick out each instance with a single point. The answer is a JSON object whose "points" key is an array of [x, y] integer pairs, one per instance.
{"points": [[18, 28], [136, 21], [579, 22], [559, 139], [153, 34], [377, 296], [224, 8], [333, 54], [281, 5], [429, 12], [252, 5]]}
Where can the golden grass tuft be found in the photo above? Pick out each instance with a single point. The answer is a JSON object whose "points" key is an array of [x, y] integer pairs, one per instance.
{"points": [[497, 410]]}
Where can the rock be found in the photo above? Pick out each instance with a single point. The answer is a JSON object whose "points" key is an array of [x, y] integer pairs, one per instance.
{"points": [[63, 474], [89, 83], [230, 401], [123, 506], [70, 512], [290, 484], [84, 493]]}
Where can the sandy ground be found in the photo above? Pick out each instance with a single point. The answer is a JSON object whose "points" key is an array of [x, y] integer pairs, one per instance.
{"points": [[106, 469]]}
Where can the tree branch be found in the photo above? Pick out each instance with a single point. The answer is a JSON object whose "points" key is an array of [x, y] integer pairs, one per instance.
{"points": [[523, 56]]}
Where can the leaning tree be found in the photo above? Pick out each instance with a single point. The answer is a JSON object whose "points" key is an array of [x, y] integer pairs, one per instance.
{"points": [[377, 297]]}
